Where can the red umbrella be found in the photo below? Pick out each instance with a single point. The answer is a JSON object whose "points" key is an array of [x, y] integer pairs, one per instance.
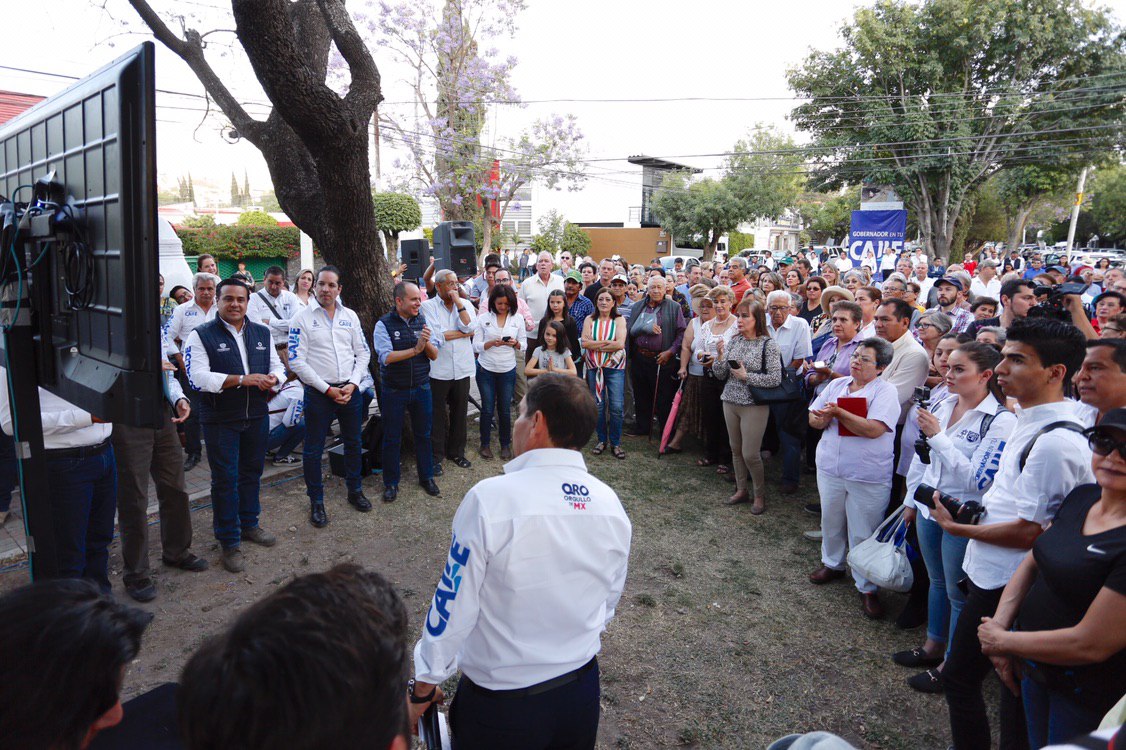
{"points": [[670, 423]]}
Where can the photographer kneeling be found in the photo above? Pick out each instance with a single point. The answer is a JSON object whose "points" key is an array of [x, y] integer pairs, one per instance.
{"points": [[965, 436], [1044, 459]]}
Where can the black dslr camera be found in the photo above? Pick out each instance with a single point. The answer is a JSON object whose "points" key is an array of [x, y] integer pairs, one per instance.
{"points": [[1051, 305], [969, 512], [922, 399]]}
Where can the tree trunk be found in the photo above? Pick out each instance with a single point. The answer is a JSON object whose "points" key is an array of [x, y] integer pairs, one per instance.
{"points": [[710, 247], [486, 227], [1019, 221], [314, 142], [391, 243]]}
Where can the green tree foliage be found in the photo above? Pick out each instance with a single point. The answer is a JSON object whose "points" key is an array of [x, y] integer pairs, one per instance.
{"points": [[256, 219], [167, 197], [933, 97], [829, 215], [990, 219], [737, 242], [575, 240], [1108, 203], [269, 202], [238, 242], [760, 180], [551, 226], [395, 213], [1024, 187]]}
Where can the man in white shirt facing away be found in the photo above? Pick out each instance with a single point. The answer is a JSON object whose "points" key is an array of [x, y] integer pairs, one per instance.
{"points": [[534, 572]]}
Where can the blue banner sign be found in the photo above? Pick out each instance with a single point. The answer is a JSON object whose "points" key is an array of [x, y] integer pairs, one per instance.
{"points": [[875, 230]]}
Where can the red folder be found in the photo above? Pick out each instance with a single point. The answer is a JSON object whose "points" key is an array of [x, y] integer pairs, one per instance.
{"points": [[857, 405]]}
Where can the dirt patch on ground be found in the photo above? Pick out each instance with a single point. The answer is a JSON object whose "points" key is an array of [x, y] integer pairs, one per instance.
{"points": [[719, 640]]}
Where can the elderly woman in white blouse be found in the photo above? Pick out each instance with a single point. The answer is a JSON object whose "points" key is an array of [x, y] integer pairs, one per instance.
{"points": [[857, 415]]}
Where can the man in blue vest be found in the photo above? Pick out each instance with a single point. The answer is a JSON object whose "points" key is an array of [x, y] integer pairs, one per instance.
{"points": [[232, 362], [402, 343]]}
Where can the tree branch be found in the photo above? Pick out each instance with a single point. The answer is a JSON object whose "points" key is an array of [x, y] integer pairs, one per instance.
{"points": [[190, 50], [282, 66], [364, 93]]}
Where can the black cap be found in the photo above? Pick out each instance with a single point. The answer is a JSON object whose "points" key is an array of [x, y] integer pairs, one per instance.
{"points": [[1114, 418]]}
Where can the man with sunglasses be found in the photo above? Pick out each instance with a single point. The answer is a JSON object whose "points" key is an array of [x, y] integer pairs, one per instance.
{"points": [[1046, 457]]}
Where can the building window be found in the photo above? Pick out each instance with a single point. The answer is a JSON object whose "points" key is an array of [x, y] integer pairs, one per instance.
{"points": [[524, 228]]}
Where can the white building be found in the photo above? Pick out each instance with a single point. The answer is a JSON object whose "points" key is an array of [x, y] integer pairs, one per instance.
{"points": [[781, 235]]}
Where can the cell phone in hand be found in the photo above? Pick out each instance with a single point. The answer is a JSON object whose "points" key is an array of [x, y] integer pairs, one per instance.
{"points": [[733, 364], [819, 365], [506, 338]]}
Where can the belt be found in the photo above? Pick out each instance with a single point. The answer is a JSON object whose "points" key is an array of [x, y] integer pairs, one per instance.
{"points": [[648, 353], [539, 688], [341, 384], [82, 451]]}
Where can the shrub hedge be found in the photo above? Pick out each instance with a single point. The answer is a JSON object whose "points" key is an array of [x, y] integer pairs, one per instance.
{"points": [[237, 243]]}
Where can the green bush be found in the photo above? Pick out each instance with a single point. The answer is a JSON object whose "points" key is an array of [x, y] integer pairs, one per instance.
{"points": [[738, 241], [256, 219], [236, 243]]}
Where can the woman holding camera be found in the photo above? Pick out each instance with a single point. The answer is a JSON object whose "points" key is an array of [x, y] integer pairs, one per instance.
{"points": [[965, 435], [1062, 616]]}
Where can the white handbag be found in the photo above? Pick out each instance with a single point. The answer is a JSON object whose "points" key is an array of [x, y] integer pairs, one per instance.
{"points": [[882, 558]]}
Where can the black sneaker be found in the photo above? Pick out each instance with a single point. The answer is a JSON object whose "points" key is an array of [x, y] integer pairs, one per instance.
{"points": [[813, 509], [141, 589]]}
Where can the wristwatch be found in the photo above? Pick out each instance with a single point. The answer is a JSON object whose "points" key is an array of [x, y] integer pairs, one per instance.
{"points": [[240, 377], [419, 699]]}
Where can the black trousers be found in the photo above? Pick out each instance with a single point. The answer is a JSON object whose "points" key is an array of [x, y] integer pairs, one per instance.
{"points": [[965, 670], [193, 435], [565, 718], [449, 430], [648, 380], [716, 445]]}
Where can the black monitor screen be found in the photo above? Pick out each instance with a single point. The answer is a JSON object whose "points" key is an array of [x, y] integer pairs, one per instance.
{"points": [[100, 350]]}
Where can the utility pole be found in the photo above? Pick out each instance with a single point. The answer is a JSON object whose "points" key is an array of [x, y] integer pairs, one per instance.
{"points": [[1075, 209]]}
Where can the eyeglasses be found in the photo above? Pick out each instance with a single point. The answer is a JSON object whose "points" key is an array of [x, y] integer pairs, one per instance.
{"points": [[1102, 444], [777, 308], [858, 357], [923, 326]]}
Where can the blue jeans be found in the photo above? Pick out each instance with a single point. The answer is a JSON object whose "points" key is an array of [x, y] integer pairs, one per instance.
{"points": [[790, 445], [610, 410], [1054, 717], [9, 472], [320, 410], [83, 501], [943, 555], [236, 453], [284, 439], [394, 405], [496, 398]]}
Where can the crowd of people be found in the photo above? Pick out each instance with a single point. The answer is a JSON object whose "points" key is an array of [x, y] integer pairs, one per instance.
{"points": [[983, 401]]}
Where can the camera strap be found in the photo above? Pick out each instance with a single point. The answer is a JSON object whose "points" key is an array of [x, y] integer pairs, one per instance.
{"points": [[1061, 425], [983, 428]]}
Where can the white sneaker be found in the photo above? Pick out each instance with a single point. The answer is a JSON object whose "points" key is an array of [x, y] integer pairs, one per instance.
{"points": [[814, 535]]}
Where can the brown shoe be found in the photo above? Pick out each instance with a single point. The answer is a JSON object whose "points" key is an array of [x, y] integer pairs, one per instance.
{"points": [[485, 452], [738, 498], [870, 604], [505, 453], [825, 575], [759, 507], [259, 535], [233, 560]]}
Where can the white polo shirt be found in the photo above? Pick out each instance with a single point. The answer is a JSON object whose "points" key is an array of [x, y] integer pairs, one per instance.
{"points": [[64, 424], [1059, 462], [533, 575], [324, 350], [852, 457]]}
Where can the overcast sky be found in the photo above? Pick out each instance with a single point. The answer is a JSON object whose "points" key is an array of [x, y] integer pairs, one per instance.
{"points": [[567, 49]]}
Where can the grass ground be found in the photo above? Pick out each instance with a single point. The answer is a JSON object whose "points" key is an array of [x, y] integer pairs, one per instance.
{"points": [[719, 641]]}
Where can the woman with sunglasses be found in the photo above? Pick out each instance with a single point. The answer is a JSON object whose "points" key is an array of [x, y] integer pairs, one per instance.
{"points": [[1060, 628]]}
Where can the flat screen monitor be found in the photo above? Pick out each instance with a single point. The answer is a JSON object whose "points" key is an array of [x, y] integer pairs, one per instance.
{"points": [[98, 347]]}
